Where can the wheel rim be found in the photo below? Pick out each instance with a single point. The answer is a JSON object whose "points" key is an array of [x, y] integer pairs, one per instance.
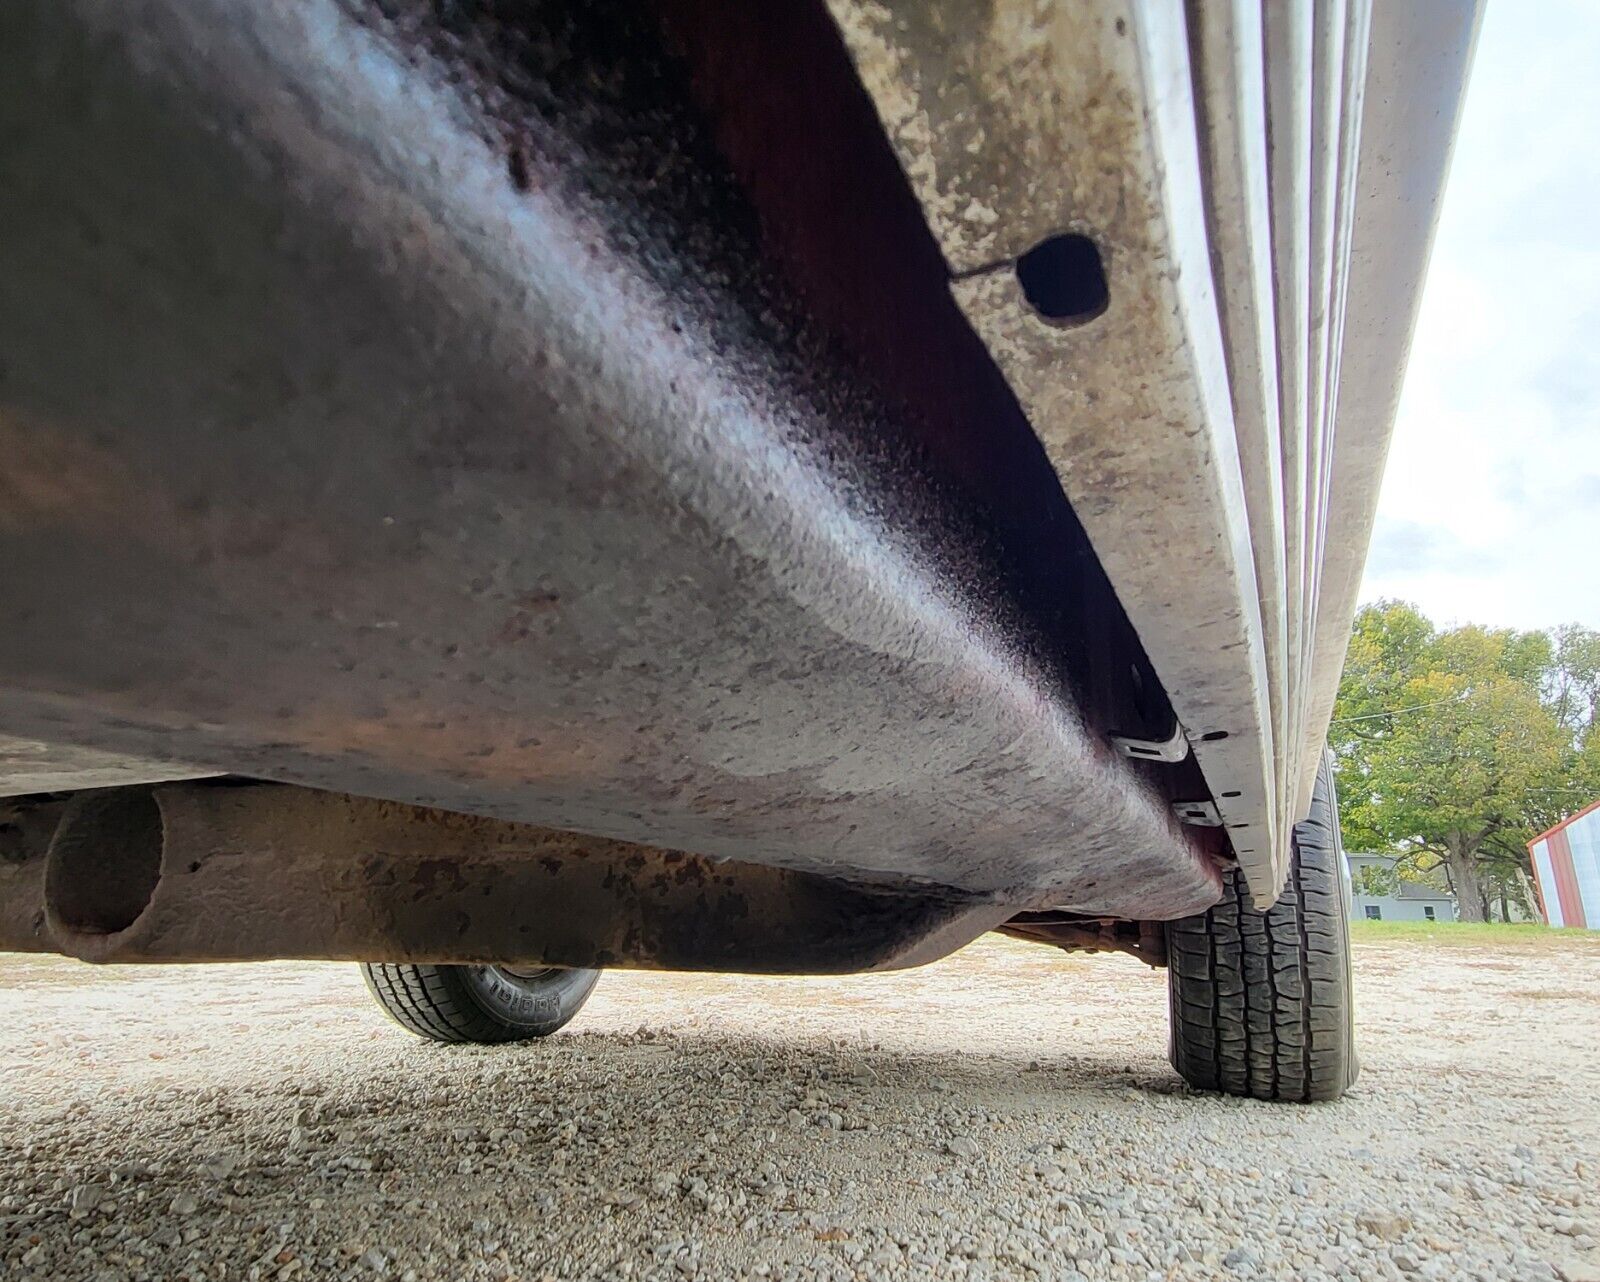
{"points": [[523, 976]]}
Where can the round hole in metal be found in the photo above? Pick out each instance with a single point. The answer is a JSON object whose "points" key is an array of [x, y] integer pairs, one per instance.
{"points": [[1064, 279]]}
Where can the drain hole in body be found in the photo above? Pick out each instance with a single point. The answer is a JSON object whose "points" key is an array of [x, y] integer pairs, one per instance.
{"points": [[1064, 279]]}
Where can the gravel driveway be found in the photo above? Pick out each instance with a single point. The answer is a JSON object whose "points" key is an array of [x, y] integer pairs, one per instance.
{"points": [[1005, 1114]]}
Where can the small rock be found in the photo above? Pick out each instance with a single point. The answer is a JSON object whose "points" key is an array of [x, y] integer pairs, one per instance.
{"points": [[219, 1166], [84, 1199], [963, 1147], [1239, 1260], [1383, 1224], [184, 1203]]}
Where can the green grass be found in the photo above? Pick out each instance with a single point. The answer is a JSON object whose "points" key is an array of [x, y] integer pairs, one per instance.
{"points": [[1467, 934]]}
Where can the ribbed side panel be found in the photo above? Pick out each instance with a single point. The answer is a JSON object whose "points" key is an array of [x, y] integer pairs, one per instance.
{"points": [[1279, 93], [1413, 73], [1583, 845], [1544, 876], [1299, 152], [1566, 870]]}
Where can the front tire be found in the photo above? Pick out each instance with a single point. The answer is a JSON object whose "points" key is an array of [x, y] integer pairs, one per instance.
{"points": [[1261, 1001], [478, 1003]]}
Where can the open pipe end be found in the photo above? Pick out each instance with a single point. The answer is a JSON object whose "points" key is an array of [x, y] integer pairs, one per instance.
{"points": [[103, 868]]}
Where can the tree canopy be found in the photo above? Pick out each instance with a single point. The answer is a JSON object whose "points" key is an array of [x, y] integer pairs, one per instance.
{"points": [[1455, 746]]}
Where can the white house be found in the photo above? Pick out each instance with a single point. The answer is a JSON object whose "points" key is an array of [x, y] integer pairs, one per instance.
{"points": [[1408, 901]]}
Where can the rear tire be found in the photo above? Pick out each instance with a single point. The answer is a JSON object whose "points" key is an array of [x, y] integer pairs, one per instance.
{"points": [[1261, 1001], [478, 1003]]}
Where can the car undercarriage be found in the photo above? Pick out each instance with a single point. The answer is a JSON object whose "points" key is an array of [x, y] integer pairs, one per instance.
{"points": [[658, 483]]}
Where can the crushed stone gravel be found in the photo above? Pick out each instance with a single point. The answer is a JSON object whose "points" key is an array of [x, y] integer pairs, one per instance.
{"points": [[1005, 1114]]}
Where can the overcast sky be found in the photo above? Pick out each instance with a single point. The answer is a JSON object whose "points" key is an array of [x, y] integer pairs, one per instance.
{"points": [[1491, 504]]}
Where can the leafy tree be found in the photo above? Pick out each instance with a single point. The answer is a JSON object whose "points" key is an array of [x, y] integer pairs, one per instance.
{"points": [[1576, 688], [1375, 881], [1456, 746]]}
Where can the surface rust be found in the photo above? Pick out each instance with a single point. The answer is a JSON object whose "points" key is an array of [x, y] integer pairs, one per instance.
{"points": [[254, 872], [1145, 940]]}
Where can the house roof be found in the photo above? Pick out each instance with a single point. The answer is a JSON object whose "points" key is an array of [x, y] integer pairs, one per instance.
{"points": [[1408, 890], [1421, 890]]}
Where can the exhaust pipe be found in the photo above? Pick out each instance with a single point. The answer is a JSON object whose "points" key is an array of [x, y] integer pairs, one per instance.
{"points": [[211, 871]]}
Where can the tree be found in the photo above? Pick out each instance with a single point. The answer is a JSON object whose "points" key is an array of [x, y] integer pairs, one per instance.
{"points": [[1375, 881], [1455, 747], [1576, 688]]}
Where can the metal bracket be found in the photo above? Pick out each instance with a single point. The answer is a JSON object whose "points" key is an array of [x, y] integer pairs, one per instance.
{"points": [[1175, 747], [1201, 814]]}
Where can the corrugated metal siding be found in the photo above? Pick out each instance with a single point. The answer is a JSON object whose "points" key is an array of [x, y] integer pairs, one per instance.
{"points": [[1544, 875], [1566, 880], [1583, 843], [1566, 869]]}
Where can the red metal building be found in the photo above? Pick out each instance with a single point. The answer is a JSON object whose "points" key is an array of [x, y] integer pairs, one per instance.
{"points": [[1566, 869]]}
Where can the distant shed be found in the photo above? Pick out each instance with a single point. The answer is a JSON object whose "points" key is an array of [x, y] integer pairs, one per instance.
{"points": [[1566, 869]]}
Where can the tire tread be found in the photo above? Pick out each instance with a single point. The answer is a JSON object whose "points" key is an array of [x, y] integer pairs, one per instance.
{"points": [[434, 1002], [1260, 1001]]}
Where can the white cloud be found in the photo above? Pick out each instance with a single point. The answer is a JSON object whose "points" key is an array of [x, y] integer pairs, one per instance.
{"points": [[1490, 509]]}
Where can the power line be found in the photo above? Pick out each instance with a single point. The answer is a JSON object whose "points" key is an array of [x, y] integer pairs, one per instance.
{"points": [[1415, 707]]}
